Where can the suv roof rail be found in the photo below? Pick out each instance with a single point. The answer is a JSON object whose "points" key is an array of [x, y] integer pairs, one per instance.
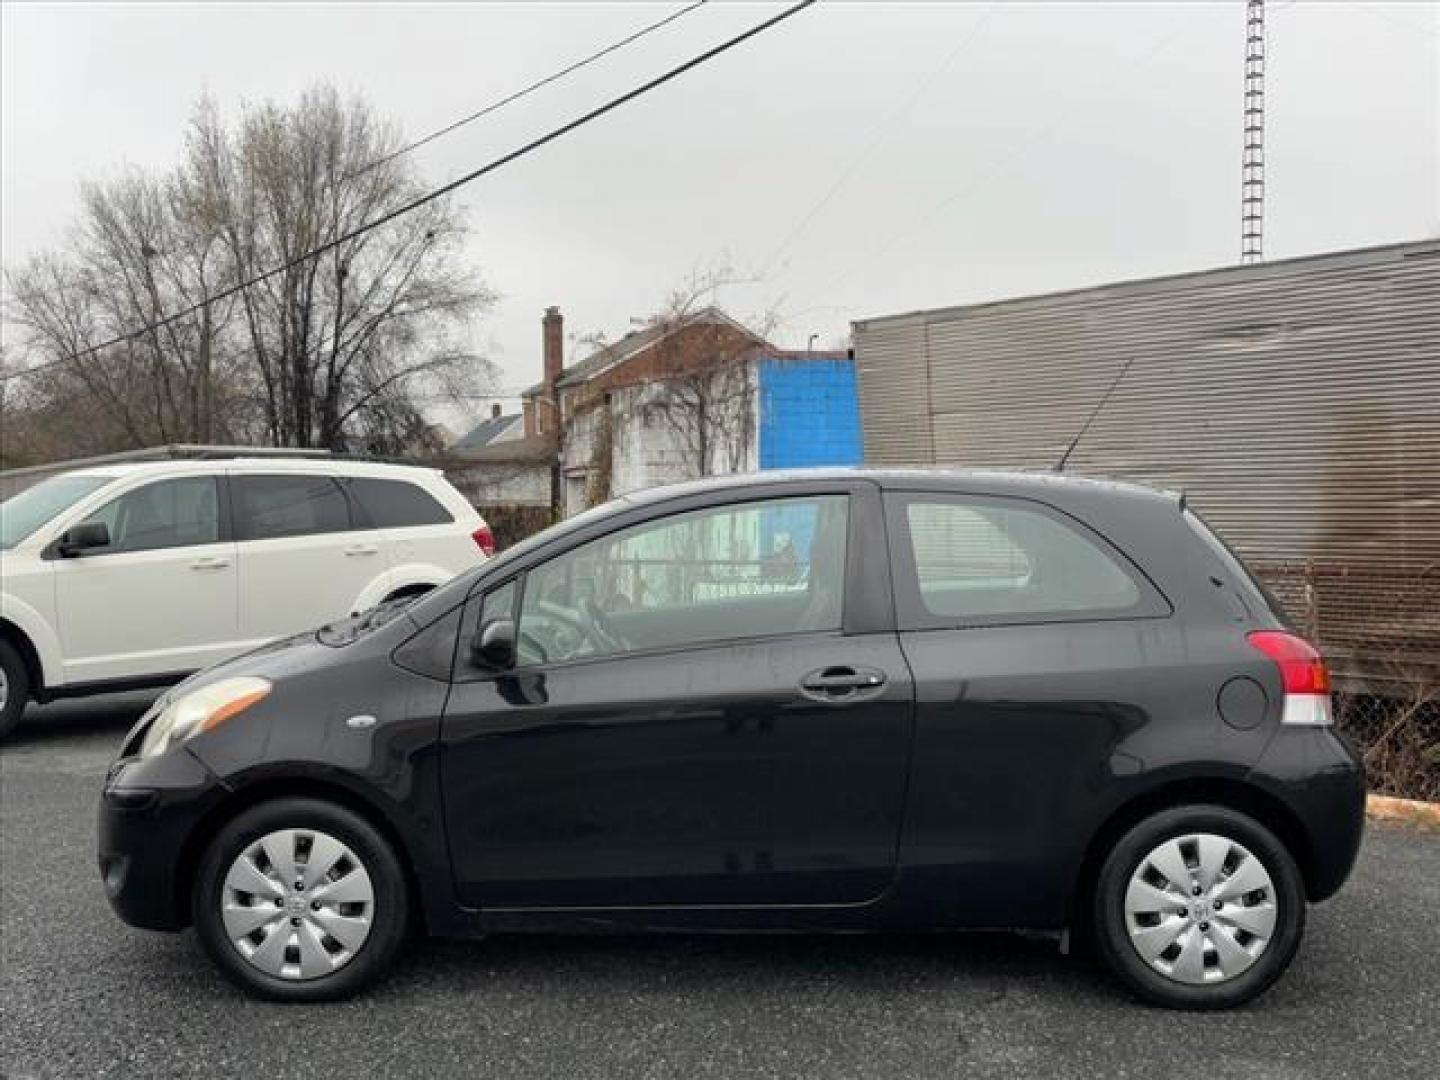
{"points": [[182, 450], [191, 452]]}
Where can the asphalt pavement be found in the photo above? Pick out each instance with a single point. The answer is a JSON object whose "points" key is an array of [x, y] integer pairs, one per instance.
{"points": [[83, 995]]}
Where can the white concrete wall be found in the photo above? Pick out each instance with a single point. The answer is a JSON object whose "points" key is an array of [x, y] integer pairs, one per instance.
{"points": [[503, 484]]}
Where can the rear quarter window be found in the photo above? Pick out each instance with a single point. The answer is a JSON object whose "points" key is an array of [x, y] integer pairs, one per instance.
{"points": [[394, 504], [970, 560]]}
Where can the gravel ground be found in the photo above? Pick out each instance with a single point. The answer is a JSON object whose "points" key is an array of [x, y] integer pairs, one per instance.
{"points": [[83, 995]]}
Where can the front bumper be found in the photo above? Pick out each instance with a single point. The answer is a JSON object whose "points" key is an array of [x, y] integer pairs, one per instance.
{"points": [[1317, 774], [148, 811]]}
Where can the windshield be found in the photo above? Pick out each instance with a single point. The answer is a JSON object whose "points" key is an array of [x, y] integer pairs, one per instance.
{"points": [[440, 600], [22, 514]]}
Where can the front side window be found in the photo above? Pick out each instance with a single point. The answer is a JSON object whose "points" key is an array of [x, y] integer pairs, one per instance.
{"points": [[167, 514], [996, 560], [23, 513], [296, 505], [734, 572]]}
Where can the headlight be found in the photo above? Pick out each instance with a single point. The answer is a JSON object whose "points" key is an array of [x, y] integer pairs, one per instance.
{"points": [[201, 710]]}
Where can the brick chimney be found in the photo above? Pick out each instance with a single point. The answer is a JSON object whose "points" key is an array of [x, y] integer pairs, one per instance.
{"points": [[554, 324], [553, 334]]}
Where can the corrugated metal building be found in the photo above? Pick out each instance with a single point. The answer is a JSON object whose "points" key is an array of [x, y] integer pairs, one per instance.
{"points": [[1296, 403]]}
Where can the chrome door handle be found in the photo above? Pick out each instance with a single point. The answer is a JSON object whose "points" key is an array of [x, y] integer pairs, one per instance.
{"points": [[841, 683], [362, 549], [210, 564]]}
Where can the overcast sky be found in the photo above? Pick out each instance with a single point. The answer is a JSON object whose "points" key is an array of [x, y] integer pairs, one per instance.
{"points": [[863, 158]]}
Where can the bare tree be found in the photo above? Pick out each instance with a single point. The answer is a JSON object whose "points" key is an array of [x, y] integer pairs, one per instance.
{"points": [[704, 383], [338, 351]]}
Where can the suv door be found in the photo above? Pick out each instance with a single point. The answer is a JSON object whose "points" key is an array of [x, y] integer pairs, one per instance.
{"points": [[160, 599], [303, 560], [709, 707], [415, 527], [1037, 649]]}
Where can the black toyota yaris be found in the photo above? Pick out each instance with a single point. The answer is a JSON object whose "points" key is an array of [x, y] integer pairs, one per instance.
{"points": [[813, 701]]}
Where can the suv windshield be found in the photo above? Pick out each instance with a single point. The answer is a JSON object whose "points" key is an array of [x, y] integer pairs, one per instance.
{"points": [[22, 514]]}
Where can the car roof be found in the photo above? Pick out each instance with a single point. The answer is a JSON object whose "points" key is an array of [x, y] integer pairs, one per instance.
{"points": [[1022, 483], [210, 466]]}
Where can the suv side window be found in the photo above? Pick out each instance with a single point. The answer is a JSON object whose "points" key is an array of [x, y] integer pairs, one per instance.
{"points": [[970, 561], [287, 505], [165, 514], [746, 570], [390, 504]]}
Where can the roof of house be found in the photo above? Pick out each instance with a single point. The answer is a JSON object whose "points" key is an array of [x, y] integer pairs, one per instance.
{"points": [[532, 449], [487, 431], [636, 342]]}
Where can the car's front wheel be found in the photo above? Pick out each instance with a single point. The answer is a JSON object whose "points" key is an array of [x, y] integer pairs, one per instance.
{"points": [[300, 900], [1199, 907]]}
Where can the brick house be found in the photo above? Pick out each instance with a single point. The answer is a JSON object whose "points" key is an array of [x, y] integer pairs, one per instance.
{"points": [[693, 396], [668, 402]]}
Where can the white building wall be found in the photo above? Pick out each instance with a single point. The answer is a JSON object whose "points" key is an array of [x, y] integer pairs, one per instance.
{"points": [[654, 439], [499, 484]]}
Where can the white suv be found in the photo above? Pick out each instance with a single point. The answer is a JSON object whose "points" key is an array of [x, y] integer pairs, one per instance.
{"points": [[134, 575]]}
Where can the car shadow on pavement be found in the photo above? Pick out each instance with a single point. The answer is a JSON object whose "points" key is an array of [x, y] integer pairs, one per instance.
{"points": [[989, 964], [71, 719]]}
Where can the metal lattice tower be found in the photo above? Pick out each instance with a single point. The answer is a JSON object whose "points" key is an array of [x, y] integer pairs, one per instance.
{"points": [[1252, 163]]}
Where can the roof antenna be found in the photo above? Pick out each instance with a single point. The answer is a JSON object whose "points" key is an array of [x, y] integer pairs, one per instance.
{"points": [[1060, 465]]}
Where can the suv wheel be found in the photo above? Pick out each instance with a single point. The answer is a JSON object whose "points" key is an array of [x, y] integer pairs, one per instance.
{"points": [[300, 900], [14, 688], [1199, 907]]}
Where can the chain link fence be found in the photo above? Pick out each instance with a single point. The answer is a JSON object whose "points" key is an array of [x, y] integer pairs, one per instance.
{"points": [[1399, 740], [1379, 628]]}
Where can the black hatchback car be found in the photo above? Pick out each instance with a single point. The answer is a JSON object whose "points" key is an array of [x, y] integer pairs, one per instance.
{"points": [[812, 701]]}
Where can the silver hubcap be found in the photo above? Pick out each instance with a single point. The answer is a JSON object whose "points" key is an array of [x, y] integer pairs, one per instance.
{"points": [[297, 904], [1200, 909], [4, 688]]}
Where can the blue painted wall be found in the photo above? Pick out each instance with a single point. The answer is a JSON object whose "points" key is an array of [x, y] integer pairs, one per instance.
{"points": [[809, 413]]}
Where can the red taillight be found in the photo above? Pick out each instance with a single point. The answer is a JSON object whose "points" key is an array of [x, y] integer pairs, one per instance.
{"points": [[1302, 670], [484, 540]]}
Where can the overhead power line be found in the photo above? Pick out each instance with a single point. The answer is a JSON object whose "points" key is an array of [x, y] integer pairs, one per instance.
{"points": [[431, 196], [996, 166], [495, 106], [882, 132]]}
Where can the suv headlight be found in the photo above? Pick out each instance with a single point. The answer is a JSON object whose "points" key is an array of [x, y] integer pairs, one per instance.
{"points": [[201, 710]]}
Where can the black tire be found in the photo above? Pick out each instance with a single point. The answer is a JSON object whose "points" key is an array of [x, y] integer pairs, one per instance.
{"points": [[388, 918], [1111, 931], [17, 688]]}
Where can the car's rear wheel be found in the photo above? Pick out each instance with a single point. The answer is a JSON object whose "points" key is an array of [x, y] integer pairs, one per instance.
{"points": [[14, 688], [300, 900], [1199, 907]]}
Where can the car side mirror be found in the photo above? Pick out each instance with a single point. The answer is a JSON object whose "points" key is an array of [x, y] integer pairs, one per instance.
{"points": [[84, 537], [494, 645]]}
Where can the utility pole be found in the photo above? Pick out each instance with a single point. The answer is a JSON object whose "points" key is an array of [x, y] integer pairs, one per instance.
{"points": [[1252, 163]]}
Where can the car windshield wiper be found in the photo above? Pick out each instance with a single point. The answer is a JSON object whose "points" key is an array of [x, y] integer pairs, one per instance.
{"points": [[345, 631]]}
